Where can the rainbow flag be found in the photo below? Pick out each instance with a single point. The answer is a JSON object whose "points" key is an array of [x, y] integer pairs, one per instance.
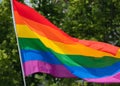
{"points": [[47, 49]]}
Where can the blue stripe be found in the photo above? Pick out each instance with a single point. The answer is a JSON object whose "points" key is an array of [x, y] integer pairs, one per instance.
{"points": [[79, 71], [84, 72], [28, 55]]}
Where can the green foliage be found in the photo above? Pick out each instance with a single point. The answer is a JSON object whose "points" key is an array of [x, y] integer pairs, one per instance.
{"points": [[10, 71], [93, 19], [84, 19]]}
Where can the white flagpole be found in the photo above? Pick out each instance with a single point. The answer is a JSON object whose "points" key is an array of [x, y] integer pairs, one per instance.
{"points": [[18, 43]]}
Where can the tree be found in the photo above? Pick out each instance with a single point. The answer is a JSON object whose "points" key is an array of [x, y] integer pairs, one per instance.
{"points": [[10, 71], [93, 19], [84, 19]]}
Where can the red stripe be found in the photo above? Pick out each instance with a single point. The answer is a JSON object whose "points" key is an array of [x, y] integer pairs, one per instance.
{"points": [[31, 14]]}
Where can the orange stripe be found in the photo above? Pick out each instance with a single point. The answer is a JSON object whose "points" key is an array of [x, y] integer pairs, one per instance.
{"points": [[105, 47], [118, 53], [44, 30], [18, 18]]}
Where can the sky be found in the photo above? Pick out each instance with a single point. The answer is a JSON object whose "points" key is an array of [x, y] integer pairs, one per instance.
{"points": [[27, 2], [0, 1]]}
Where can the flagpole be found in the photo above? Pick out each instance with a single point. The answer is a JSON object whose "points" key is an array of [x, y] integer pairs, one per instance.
{"points": [[82, 82], [23, 74]]}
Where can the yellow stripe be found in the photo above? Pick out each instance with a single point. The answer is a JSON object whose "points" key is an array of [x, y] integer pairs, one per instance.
{"points": [[24, 31], [77, 49], [118, 53]]}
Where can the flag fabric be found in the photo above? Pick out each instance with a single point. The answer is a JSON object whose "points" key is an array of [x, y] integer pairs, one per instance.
{"points": [[47, 49]]}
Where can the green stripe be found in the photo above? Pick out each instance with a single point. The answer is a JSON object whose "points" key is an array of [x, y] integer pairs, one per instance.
{"points": [[31, 44], [71, 60], [87, 61]]}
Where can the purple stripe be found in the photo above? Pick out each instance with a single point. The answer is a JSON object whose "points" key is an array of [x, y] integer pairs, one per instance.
{"points": [[111, 79], [31, 67]]}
